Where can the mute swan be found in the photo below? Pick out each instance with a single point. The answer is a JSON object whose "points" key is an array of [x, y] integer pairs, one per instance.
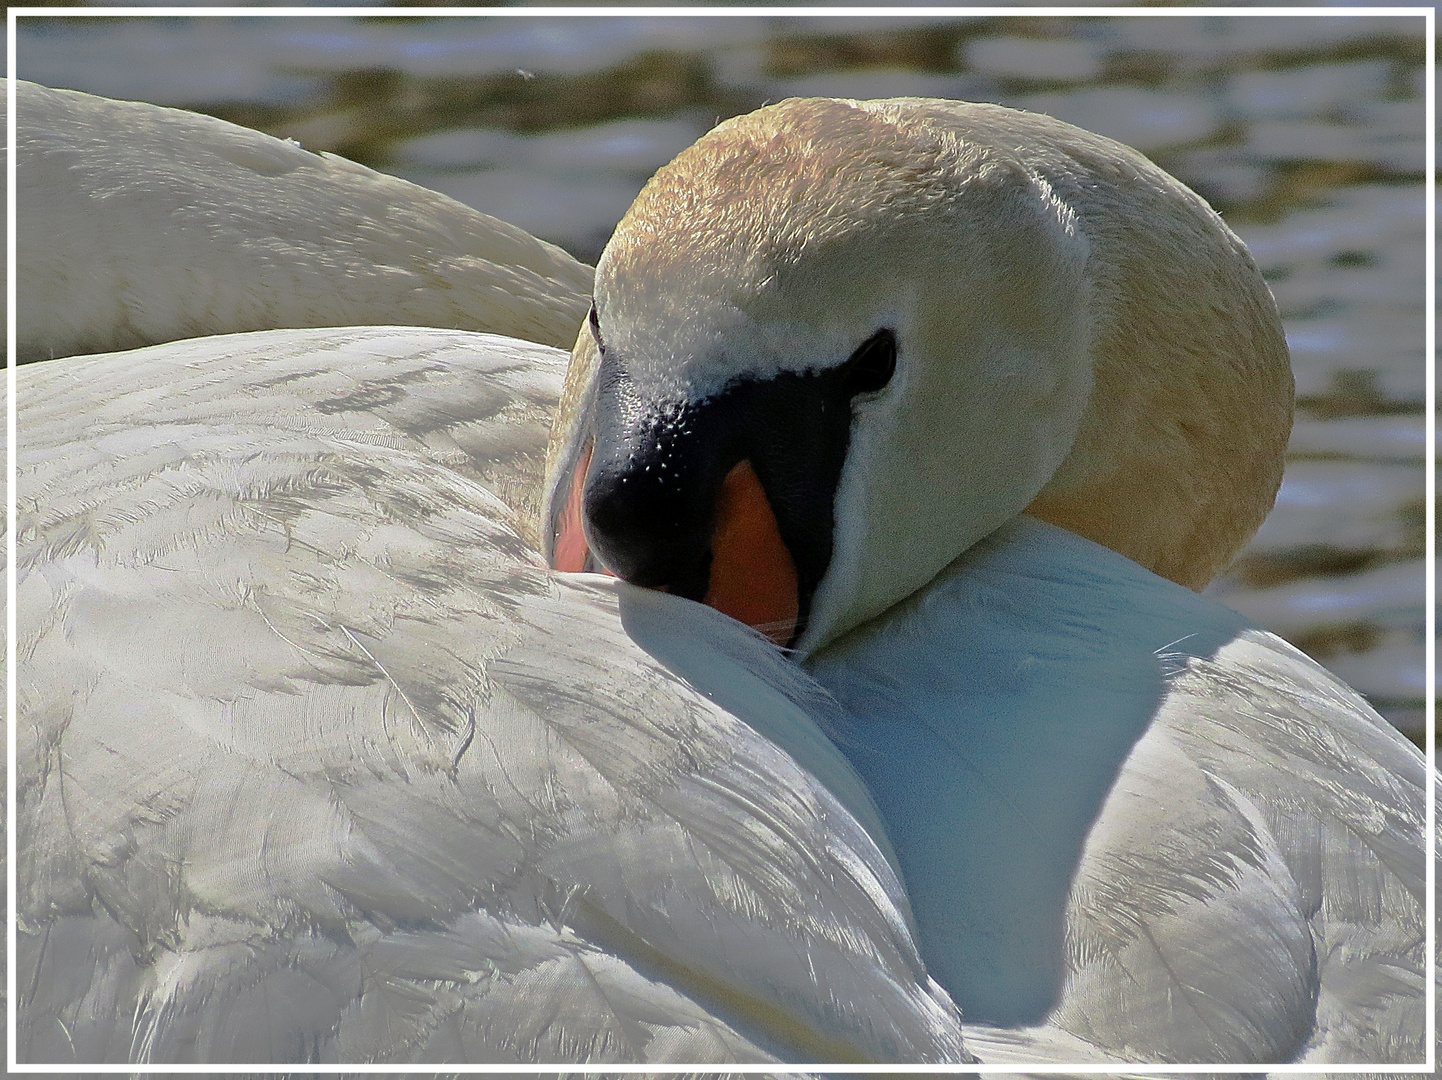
{"points": [[144, 225], [318, 762], [941, 396]]}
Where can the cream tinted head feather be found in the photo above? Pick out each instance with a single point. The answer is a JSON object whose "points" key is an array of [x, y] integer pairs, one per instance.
{"points": [[1075, 333]]}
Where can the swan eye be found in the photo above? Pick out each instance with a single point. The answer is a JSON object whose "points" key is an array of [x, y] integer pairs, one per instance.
{"points": [[594, 322], [872, 365]]}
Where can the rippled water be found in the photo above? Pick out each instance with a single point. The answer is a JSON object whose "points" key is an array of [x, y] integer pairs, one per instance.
{"points": [[1306, 132]]}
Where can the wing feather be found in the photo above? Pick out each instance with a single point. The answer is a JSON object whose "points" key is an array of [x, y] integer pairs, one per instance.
{"points": [[317, 767]]}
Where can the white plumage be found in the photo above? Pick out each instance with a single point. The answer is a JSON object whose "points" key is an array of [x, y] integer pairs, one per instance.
{"points": [[318, 761]]}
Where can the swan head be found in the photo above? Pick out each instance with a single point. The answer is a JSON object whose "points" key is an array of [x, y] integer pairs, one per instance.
{"points": [[835, 343]]}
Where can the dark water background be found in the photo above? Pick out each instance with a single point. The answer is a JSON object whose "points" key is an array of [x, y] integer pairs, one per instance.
{"points": [[1307, 133]]}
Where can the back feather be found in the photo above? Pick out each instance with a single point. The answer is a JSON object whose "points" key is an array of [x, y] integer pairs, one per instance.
{"points": [[139, 225]]}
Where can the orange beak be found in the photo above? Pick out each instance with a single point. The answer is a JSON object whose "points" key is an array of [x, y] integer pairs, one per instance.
{"points": [[753, 577]]}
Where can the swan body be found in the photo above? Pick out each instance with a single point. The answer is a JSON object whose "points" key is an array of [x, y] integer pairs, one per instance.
{"points": [[140, 225], [318, 762]]}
